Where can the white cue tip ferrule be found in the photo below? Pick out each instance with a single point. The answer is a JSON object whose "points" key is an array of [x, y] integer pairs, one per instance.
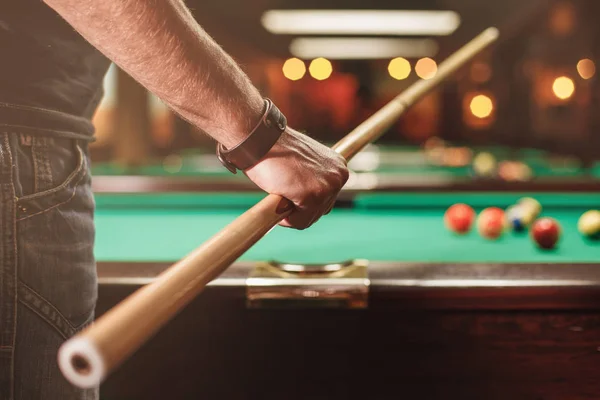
{"points": [[492, 32], [81, 363]]}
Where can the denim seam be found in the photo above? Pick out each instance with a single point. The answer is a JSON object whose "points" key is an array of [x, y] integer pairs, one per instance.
{"points": [[11, 389], [54, 132], [26, 286], [29, 108], [69, 328], [34, 160], [66, 183], [16, 275]]}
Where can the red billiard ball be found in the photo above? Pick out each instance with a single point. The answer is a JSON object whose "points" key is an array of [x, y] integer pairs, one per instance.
{"points": [[546, 232], [459, 218], [491, 223]]}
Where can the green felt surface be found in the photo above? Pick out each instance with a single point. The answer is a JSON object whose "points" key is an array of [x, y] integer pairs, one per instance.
{"points": [[393, 227]]}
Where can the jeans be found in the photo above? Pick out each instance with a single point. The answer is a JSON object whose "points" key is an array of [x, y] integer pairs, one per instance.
{"points": [[48, 283]]}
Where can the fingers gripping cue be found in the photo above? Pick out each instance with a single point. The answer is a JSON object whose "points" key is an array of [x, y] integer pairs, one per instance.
{"points": [[90, 356]]}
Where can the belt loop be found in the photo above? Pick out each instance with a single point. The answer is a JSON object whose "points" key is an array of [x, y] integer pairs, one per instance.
{"points": [[41, 163], [26, 140]]}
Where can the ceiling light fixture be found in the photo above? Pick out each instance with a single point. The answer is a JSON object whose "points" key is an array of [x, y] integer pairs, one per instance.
{"points": [[361, 22], [362, 48]]}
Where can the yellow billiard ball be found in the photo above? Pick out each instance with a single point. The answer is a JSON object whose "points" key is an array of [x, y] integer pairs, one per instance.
{"points": [[589, 224]]}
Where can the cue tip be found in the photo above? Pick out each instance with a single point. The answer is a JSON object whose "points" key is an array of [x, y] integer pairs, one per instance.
{"points": [[81, 363], [492, 32]]}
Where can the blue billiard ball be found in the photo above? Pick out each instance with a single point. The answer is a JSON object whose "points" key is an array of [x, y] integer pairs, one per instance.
{"points": [[518, 219]]}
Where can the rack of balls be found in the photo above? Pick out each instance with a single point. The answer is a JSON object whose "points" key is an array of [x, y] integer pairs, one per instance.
{"points": [[492, 222]]}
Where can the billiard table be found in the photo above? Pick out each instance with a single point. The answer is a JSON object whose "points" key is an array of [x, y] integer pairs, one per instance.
{"points": [[381, 167], [375, 301]]}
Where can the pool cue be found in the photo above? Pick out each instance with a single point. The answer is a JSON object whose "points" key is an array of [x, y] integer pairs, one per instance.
{"points": [[87, 358]]}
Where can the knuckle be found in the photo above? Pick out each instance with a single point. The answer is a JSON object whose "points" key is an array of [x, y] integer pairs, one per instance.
{"points": [[344, 175], [317, 194], [320, 192]]}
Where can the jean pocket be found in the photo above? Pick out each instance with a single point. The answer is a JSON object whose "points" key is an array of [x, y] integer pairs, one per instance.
{"points": [[55, 231], [47, 172]]}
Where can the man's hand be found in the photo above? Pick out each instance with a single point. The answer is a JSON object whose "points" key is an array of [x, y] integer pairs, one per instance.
{"points": [[303, 171]]}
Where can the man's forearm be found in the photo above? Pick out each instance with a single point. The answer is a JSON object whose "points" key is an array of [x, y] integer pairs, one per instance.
{"points": [[160, 45]]}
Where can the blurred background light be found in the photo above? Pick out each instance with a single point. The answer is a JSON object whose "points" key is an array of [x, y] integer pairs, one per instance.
{"points": [[399, 68], [562, 18], [362, 48], [320, 68], [361, 22], [481, 106], [426, 68], [563, 87], [586, 68], [294, 69]]}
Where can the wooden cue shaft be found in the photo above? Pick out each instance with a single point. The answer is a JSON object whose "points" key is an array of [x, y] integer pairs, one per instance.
{"points": [[124, 328], [371, 129]]}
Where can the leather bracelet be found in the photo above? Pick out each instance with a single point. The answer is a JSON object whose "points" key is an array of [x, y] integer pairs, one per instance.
{"points": [[262, 138]]}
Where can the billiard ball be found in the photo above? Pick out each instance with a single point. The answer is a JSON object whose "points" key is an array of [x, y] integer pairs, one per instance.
{"points": [[517, 218], [529, 204], [491, 223], [589, 224], [546, 232], [507, 170], [459, 218], [484, 164], [525, 172], [457, 156], [514, 171], [435, 156], [434, 143]]}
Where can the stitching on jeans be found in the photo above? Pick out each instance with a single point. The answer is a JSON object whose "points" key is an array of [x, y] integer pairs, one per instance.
{"points": [[56, 205], [65, 134], [68, 330], [30, 108], [11, 390], [49, 303], [63, 185], [34, 161], [33, 310]]}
